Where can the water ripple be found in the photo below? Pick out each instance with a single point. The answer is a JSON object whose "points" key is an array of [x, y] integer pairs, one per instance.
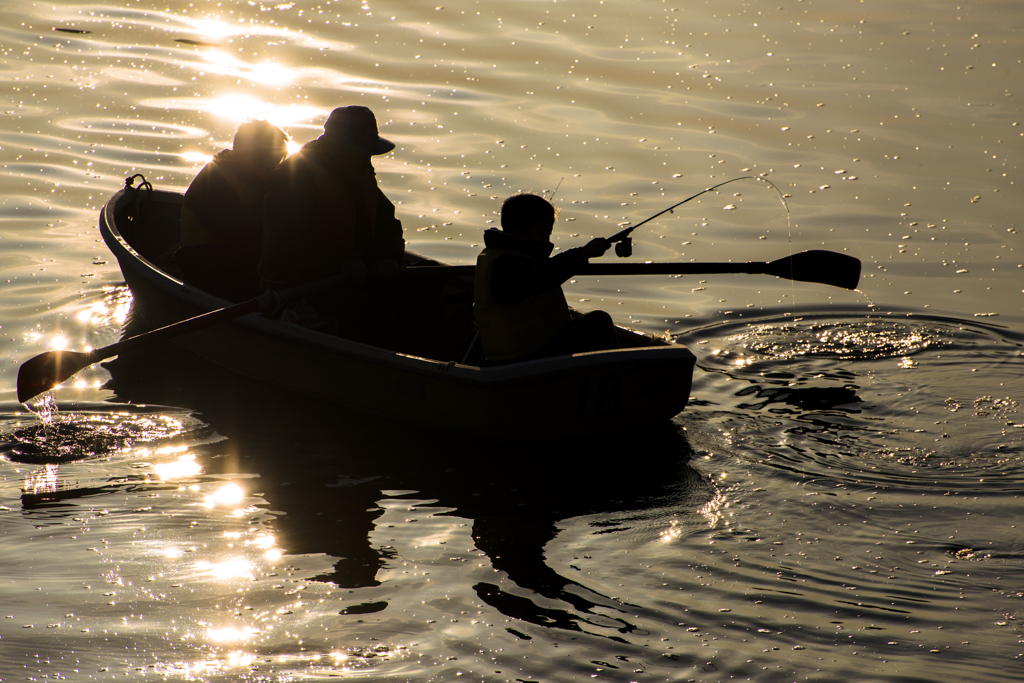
{"points": [[920, 403], [136, 128]]}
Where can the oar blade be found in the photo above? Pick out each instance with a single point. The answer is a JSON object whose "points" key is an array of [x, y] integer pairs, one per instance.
{"points": [[47, 370], [824, 267]]}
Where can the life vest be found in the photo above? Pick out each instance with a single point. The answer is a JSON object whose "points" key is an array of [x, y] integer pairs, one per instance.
{"points": [[510, 332]]}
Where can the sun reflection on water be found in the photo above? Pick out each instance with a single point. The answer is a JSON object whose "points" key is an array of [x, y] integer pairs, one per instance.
{"points": [[265, 73], [239, 108], [672, 532], [112, 309], [201, 669], [240, 659], [268, 543], [229, 494], [197, 157], [233, 634], [231, 568], [42, 480], [213, 29], [264, 541], [184, 467], [712, 510]]}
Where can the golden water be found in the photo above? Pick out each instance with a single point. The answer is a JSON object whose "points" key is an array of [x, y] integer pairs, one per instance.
{"points": [[842, 504]]}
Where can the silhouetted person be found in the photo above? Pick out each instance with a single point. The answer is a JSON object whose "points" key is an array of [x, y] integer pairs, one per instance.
{"points": [[324, 213], [518, 304], [222, 214]]}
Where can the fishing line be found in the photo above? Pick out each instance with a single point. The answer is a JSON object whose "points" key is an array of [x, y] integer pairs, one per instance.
{"points": [[622, 237], [624, 246]]}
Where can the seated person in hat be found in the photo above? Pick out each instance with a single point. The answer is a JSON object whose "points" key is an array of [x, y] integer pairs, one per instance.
{"points": [[518, 302], [222, 214], [324, 213]]}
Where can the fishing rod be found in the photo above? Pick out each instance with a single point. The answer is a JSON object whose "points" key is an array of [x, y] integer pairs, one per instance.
{"points": [[554, 191], [624, 243]]}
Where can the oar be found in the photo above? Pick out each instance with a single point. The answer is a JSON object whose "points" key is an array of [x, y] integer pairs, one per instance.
{"points": [[47, 370], [823, 267]]}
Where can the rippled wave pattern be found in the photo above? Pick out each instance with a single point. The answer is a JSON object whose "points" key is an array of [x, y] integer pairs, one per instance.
{"points": [[839, 502], [900, 402]]}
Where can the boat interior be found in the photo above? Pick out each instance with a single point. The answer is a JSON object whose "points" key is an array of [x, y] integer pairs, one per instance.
{"points": [[427, 313]]}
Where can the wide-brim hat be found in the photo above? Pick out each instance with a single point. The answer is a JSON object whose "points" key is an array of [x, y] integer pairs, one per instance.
{"points": [[356, 127]]}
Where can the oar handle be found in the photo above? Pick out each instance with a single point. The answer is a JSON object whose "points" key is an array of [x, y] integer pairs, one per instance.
{"points": [[47, 370], [265, 303], [674, 268], [175, 329], [647, 268]]}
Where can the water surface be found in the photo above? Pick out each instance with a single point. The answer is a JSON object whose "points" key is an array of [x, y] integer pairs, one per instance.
{"points": [[839, 501]]}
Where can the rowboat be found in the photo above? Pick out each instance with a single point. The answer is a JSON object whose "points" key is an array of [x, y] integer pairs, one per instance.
{"points": [[646, 380]]}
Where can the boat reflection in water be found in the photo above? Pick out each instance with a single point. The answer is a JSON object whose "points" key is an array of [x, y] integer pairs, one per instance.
{"points": [[330, 476]]}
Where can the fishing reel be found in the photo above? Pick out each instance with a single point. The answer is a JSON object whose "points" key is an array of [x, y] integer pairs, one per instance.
{"points": [[623, 242]]}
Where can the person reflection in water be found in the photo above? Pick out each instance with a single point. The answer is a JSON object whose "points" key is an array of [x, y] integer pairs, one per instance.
{"points": [[222, 214], [518, 302]]}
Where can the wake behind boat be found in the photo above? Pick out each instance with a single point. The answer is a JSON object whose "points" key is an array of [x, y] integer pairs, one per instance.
{"points": [[433, 379]]}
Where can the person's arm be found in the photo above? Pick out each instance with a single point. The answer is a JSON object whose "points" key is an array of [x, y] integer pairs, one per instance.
{"points": [[514, 280], [388, 242]]}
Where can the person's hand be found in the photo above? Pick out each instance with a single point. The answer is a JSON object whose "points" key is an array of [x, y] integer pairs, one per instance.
{"points": [[596, 247], [385, 267]]}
